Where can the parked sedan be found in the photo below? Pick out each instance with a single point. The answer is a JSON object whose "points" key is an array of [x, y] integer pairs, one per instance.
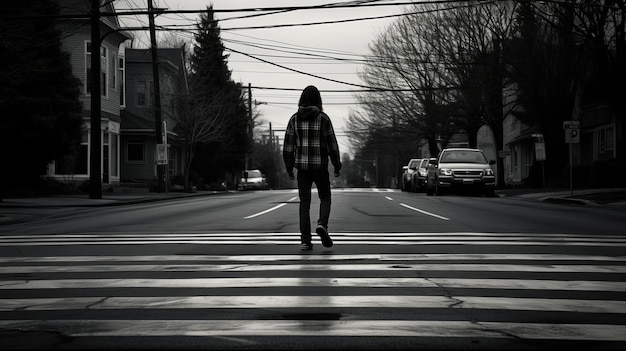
{"points": [[418, 182], [253, 179], [407, 176]]}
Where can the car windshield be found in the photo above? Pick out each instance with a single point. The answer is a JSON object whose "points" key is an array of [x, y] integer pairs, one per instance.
{"points": [[463, 156], [254, 174], [414, 164]]}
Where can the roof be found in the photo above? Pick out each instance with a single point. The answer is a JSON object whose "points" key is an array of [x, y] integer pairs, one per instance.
{"points": [[81, 10], [172, 56], [134, 121]]}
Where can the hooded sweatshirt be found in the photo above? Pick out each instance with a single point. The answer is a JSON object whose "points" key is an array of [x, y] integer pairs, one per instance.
{"points": [[310, 140]]}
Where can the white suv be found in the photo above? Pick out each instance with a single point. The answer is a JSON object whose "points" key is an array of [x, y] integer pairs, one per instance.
{"points": [[461, 168]]}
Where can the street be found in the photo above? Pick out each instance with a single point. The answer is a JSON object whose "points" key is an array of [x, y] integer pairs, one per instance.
{"points": [[407, 271]]}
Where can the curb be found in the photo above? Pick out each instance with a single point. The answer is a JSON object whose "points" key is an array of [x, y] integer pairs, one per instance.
{"points": [[571, 201]]}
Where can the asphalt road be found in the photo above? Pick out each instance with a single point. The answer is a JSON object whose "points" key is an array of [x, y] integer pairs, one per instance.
{"points": [[407, 271]]}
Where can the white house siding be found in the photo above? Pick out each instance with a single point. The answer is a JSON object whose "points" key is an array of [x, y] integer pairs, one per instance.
{"points": [[75, 35]]}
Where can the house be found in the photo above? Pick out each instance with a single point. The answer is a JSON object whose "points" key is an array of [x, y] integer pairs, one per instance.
{"points": [[76, 40], [138, 161], [519, 140], [595, 155], [127, 114]]}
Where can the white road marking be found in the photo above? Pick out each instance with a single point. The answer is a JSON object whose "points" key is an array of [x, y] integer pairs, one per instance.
{"points": [[269, 210], [334, 266], [315, 301], [144, 313], [452, 238], [336, 282], [425, 212], [313, 257], [388, 198], [316, 328]]}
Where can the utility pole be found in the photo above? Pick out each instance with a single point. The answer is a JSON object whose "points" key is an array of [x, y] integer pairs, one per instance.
{"points": [[249, 131], [271, 138], [95, 156], [158, 126]]}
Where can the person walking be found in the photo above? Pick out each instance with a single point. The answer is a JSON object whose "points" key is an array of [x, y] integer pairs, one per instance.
{"points": [[309, 142]]}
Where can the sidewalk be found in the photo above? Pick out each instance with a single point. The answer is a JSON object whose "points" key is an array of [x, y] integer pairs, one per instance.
{"points": [[108, 199], [605, 197], [9, 207]]}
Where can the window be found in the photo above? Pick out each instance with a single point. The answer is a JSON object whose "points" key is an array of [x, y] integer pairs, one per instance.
{"points": [[104, 68], [463, 156], [122, 80], [605, 143], [88, 67], [135, 150], [114, 72], [115, 139], [140, 87], [104, 71]]}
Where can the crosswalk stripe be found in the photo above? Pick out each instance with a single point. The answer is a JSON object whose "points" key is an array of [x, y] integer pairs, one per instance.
{"points": [[338, 301], [492, 295], [207, 267], [278, 242], [370, 235], [385, 328], [339, 238], [216, 283], [325, 257]]}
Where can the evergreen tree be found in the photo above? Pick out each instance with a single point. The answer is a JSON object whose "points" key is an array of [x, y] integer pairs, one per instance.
{"points": [[215, 96], [39, 97]]}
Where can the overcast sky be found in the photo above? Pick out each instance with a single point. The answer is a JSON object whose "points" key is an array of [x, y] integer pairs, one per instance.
{"points": [[331, 51]]}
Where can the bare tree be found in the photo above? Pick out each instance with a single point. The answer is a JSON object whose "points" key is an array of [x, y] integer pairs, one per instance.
{"points": [[200, 118], [471, 44], [414, 92]]}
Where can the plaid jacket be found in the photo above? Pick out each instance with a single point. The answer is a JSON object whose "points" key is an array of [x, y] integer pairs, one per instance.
{"points": [[310, 141]]}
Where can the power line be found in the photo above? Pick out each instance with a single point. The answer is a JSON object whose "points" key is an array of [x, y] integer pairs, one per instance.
{"points": [[305, 73]]}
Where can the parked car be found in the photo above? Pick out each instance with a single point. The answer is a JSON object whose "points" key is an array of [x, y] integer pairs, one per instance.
{"points": [[407, 176], [400, 182], [458, 169], [418, 182], [253, 179]]}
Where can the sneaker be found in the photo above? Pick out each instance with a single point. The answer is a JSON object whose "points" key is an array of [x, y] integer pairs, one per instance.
{"points": [[323, 233], [306, 246]]}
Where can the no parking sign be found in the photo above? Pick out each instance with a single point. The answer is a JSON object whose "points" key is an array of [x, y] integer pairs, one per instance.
{"points": [[572, 132]]}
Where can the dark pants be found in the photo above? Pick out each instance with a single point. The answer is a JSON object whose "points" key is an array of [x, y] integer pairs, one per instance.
{"points": [[306, 179]]}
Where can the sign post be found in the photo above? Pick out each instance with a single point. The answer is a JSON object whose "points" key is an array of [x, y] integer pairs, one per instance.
{"points": [[540, 155], [572, 136]]}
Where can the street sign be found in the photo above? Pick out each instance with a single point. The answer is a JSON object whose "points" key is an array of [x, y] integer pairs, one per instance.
{"points": [[540, 151], [161, 154], [572, 132]]}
